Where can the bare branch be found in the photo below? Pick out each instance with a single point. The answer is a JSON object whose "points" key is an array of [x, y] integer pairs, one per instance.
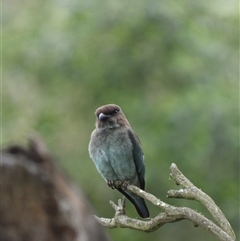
{"points": [[171, 213], [193, 193]]}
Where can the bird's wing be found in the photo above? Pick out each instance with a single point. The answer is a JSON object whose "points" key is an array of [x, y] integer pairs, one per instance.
{"points": [[138, 157]]}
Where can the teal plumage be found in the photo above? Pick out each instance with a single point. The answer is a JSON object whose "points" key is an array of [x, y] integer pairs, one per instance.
{"points": [[117, 154]]}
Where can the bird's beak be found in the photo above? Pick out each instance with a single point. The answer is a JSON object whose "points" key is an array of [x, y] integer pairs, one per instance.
{"points": [[103, 117]]}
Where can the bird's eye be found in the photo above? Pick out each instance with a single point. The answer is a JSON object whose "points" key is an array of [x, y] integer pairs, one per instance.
{"points": [[115, 111]]}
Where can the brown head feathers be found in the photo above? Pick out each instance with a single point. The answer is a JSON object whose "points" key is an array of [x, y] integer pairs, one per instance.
{"points": [[110, 116]]}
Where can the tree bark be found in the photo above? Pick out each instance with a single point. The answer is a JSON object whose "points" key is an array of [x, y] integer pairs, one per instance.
{"points": [[39, 203]]}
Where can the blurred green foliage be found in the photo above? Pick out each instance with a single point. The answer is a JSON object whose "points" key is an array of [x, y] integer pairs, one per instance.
{"points": [[171, 65]]}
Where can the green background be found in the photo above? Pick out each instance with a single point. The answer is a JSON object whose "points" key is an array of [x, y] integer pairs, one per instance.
{"points": [[171, 65]]}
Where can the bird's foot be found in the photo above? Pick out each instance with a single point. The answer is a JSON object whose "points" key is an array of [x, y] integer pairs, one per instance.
{"points": [[111, 184], [125, 183], [118, 184]]}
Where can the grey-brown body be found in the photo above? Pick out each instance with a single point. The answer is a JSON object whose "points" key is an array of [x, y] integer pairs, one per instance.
{"points": [[107, 152], [116, 151]]}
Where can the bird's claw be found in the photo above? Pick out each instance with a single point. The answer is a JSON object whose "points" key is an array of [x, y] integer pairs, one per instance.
{"points": [[118, 183], [125, 183], [111, 184]]}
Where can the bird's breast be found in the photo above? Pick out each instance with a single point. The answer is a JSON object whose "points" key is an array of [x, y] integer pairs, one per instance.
{"points": [[113, 150]]}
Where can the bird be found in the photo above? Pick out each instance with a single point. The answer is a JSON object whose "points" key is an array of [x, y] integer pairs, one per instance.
{"points": [[117, 154]]}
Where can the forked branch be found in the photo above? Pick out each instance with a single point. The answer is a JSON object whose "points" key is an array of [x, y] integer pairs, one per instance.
{"points": [[222, 230]]}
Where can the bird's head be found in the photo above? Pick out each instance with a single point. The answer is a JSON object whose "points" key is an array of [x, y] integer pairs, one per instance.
{"points": [[110, 116]]}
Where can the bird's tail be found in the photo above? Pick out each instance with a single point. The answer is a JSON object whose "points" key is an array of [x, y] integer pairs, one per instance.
{"points": [[141, 207], [138, 202]]}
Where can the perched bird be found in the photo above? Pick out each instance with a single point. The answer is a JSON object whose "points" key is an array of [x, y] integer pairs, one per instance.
{"points": [[116, 151]]}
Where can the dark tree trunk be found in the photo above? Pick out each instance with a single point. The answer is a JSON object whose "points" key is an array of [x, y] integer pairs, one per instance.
{"points": [[38, 202]]}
